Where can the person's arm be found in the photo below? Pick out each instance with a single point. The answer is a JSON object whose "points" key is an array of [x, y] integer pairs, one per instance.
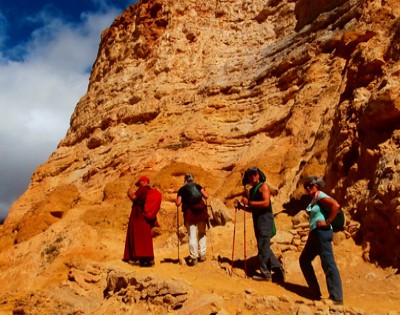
{"points": [[178, 201], [131, 194], [204, 193], [329, 203]]}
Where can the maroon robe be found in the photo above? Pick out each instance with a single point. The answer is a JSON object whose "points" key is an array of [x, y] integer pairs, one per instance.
{"points": [[139, 242]]}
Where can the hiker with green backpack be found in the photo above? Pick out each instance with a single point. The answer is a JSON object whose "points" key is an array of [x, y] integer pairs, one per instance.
{"points": [[325, 217], [258, 202]]}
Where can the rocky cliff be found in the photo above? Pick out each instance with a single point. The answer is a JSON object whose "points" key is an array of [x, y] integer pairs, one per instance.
{"points": [[213, 87]]}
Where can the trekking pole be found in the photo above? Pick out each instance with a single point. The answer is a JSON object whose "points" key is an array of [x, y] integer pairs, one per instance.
{"points": [[209, 225], [209, 230], [177, 229], [234, 234], [212, 212], [244, 243]]}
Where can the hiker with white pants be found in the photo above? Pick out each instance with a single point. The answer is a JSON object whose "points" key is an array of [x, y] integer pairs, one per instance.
{"points": [[195, 217]]}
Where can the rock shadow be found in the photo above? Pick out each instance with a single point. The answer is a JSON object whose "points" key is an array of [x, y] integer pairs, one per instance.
{"points": [[249, 267], [300, 290]]}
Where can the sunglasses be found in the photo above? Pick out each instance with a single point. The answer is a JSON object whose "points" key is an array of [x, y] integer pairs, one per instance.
{"points": [[309, 186]]}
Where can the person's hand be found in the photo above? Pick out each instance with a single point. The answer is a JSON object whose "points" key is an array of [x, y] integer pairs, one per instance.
{"points": [[322, 224], [238, 204], [245, 201]]}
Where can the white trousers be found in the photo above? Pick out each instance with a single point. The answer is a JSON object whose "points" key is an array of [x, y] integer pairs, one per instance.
{"points": [[197, 239]]}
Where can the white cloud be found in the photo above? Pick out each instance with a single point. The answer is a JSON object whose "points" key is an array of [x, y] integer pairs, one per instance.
{"points": [[39, 93]]}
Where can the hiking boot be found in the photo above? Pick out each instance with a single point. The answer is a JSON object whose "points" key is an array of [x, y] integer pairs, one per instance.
{"points": [[146, 263], [202, 258], [131, 261], [191, 262], [262, 278]]}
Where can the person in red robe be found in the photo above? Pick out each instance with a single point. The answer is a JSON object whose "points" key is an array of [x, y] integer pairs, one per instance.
{"points": [[139, 241]]}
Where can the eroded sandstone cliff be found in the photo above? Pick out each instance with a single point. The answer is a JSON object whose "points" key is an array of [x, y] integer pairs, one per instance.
{"points": [[213, 87]]}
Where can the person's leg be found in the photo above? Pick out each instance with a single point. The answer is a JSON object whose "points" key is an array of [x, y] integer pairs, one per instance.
{"points": [[331, 271], [262, 256], [263, 243], [192, 238], [310, 251], [201, 230], [274, 263], [268, 261]]}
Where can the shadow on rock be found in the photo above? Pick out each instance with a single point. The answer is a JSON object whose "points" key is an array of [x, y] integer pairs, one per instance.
{"points": [[300, 290], [249, 266]]}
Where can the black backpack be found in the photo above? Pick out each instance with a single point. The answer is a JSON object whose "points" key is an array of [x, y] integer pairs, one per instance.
{"points": [[338, 222], [194, 194]]}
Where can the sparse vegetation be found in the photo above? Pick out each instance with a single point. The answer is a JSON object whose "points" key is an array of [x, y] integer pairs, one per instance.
{"points": [[52, 250]]}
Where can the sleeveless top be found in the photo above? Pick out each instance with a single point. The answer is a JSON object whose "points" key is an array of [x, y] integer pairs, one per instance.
{"points": [[314, 209], [259, 197]]}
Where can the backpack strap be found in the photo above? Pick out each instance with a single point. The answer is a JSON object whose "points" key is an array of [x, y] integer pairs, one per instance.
{"points": [[315, 199], [253, 194]]}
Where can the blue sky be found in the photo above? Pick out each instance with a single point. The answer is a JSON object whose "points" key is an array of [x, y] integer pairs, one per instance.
{"points": [[47, 49]]}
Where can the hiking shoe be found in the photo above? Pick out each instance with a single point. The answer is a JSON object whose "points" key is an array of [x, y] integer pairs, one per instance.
{"points": [[191, 262], [146, 263], [202, 258], [330, 301], [262, 278]]}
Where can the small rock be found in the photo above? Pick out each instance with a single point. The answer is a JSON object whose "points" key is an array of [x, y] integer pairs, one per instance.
{"points": [[300, 219], [284, 298], [283, 237], [355, 311], [337, 308], [304, 310], [370, 276]]}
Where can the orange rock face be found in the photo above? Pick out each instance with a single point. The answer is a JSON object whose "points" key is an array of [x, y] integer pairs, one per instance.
{"points": [[213, 88]]}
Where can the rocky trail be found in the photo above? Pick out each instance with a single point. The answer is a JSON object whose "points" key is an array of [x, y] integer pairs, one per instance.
{"points": [[90, 277]]}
